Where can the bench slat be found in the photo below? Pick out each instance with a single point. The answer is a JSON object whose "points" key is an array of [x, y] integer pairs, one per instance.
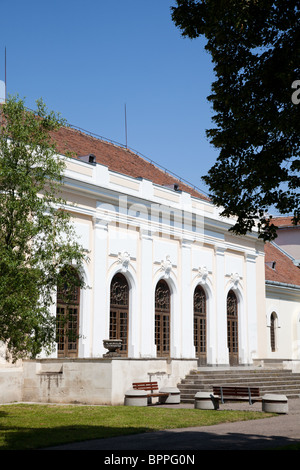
{"points": [[160, 394], [237, 393], [242, 391], [145, 385], [149, 386]]}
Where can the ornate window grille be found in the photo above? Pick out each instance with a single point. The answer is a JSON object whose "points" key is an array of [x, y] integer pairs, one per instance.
{"points": [[67, 314], [232, 327], [119, 311], [162, 319], [272, 331], [200, 333]]}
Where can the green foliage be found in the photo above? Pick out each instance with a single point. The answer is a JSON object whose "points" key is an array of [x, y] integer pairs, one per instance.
{"points": [[36, 236], [255, 49]]}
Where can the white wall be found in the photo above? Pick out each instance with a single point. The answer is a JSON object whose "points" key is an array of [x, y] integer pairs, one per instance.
{"points": [[148, 232], [285, 302], [98, 381], [289, 241]]}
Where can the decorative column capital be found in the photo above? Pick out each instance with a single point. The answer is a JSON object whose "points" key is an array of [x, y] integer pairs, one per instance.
{"points": [[166, 267], [124, 260], [234, 279], [100, 223], [202, 274]]}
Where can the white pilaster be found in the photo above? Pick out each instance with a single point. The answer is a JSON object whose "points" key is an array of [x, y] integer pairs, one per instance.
{"points": [[251, 306], [147, 321], [221, 314], [187, 314], [100, 290]]}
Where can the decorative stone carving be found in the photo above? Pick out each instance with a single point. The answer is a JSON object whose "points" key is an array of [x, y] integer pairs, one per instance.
{"points": [[166, 266], [202, 274], [124, 260], [113, 346], [234, 279], [100, 222]]}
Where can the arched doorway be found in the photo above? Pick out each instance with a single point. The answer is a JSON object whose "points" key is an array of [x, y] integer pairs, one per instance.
{"points": [[200, 325], [162, 319], [273, 321], [119, 311], [232, 328], [68, 312]]}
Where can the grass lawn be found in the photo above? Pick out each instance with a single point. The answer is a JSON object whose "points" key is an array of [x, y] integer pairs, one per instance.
{"points": [[26, 426]]}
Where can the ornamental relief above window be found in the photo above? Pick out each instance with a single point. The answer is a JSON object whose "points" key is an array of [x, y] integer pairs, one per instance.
{"points": [[166, 267], [202, 274], [124, 260]]}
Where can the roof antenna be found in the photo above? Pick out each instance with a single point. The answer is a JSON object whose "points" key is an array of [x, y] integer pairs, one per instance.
{"points": [[125, 126], [5, 78], [3, 86]]}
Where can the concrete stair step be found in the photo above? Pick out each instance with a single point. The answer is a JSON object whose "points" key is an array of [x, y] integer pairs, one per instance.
{"points": [[214, 380], [268, 380]]}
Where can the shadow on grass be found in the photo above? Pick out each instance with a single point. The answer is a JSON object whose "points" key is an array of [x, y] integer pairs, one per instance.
{"points": [[30, 439]]}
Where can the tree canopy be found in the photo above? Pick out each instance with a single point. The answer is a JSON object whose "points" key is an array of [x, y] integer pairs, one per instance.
{"points": [[37, 238], [255, 49]]}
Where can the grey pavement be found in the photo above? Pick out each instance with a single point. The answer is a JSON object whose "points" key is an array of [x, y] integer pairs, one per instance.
{"points": [[261, 434]]}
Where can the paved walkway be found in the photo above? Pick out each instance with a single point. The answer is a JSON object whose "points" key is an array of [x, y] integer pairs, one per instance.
{"points": [[259, 434]]}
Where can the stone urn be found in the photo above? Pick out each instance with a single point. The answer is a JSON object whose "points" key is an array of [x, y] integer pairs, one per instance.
{"points": [[113, 346]]}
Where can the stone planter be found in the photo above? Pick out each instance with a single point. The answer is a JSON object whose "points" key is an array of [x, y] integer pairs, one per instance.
{"points": [[113, 346], [173, 398], [272, 403], [204, 401], [136, 398]]}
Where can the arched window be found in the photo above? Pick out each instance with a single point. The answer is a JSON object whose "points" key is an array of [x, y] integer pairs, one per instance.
{"points": [[232, 328], [273, 320], [68, 312], [200, 325], [119, 311], [162, 319]]}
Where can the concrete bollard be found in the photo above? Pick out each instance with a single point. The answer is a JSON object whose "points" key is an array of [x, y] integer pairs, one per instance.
{"points": [[206, 401], [135, 398], [173, 398], [272, 403]]}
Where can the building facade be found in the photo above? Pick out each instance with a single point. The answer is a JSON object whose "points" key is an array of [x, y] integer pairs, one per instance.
{"points": [[165, 274], [166, 277]]}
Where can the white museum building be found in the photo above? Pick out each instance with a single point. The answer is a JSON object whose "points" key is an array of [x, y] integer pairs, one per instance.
{"points": [[166, 277]]}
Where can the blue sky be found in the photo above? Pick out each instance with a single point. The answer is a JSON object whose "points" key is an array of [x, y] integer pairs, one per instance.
{"points": [[87, 59]]}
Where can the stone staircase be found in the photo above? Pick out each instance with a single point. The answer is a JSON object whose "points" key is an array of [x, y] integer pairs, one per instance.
{"points": [[277, 381]]}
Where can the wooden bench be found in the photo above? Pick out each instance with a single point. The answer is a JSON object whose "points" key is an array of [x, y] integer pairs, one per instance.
{"points": [[152, 387], [237, 393]]}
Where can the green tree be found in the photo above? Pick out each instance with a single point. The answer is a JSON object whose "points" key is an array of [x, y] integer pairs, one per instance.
{"points": [[255, 49], [37, 240]]}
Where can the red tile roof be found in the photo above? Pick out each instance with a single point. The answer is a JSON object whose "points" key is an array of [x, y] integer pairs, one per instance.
{"points": [[284, 271], [283, 222], [116, 158]]}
